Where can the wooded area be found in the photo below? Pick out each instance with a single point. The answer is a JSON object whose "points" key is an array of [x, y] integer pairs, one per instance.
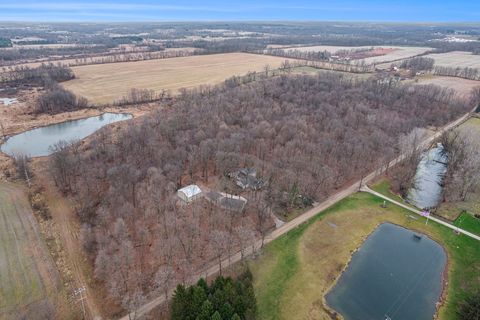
{"points": [[306, 136]]}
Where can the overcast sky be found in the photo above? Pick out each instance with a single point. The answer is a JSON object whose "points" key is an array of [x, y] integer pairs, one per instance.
{"points": [[182, 10]]}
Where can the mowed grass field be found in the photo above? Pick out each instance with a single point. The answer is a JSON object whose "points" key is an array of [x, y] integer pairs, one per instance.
{"points": [[456, 59], [27, 272], [102, 84], [294, 272]]}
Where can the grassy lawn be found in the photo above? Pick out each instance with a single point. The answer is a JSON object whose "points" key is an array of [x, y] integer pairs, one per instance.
{"points": [[295, 271], [468, 222], [383, 187], [471, 124]]}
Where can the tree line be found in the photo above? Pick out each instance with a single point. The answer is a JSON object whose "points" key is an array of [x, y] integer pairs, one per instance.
{"points": [[299, 54], [418, 64], [43, 75], [466, 73], [306, 136]]}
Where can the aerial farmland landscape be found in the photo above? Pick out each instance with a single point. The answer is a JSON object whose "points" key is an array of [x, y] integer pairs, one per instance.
{"points": [[239, 161]]}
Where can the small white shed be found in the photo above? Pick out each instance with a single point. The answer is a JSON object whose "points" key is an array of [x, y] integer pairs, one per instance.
{"points": [[189, 193]]}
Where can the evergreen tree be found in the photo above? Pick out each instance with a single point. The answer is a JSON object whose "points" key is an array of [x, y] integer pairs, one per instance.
{"points": [[216, 316], [206, 311], [203, 284], [178, 303], [226, 311], [198, 297]]}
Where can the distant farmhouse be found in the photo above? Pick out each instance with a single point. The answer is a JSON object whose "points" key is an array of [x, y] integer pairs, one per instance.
{"points": [[189, 193], [246, 178], [226, 201]]}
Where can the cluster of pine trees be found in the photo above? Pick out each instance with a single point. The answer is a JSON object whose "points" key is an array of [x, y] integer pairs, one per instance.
{"points": [[225, 299]]}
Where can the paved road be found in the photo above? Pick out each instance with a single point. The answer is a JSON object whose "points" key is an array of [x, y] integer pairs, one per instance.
{"points": [[355, 187], [448, 225]]}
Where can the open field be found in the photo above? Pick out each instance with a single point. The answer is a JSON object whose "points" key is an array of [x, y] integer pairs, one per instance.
{"points": [[296, 270], [27, 273], [468, 222], [306, 70], [397, 54], [106, 83], [462, 86], [456, 59]]}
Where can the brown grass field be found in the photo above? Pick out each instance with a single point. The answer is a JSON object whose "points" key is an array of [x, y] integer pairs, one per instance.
{"points": [[103, 84], [462, 86], [27, 272], [456, 59]]}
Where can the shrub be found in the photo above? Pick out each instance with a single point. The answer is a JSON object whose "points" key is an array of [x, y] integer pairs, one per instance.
{"points": [[470, 308]]}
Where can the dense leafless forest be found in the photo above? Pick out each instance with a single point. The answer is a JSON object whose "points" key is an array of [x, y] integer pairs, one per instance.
{"points": [[306, 136]]}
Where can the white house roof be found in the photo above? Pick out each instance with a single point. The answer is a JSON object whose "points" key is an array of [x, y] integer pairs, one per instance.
{"points": [[191, 190]]}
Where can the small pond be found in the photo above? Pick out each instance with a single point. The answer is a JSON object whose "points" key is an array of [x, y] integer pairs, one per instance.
{"points": [[37, 142], [394, 274], [7, 101], [427, 190]]}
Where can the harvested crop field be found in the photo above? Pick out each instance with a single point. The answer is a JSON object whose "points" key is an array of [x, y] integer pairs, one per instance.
{"points": [[456, 59], [106, 83], [27, 272], [462, 86], [397, 53]]}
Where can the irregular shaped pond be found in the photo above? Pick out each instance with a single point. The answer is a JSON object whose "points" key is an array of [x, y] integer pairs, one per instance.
{"points": [[394, 274], [37, 142], [427, 190]]}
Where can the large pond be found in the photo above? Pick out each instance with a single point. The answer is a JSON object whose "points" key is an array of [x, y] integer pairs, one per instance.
{"points": [[37, 142], [427, 190], [395, 275]]}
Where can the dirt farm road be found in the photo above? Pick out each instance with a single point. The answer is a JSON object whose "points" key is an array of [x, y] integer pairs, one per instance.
{"points": [[355, 187]]}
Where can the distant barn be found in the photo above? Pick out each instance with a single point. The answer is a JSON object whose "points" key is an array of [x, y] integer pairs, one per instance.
{"points": [[189, 193]]}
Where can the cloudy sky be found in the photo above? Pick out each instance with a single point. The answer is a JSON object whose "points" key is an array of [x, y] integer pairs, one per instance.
{"points": [[181, 10]]}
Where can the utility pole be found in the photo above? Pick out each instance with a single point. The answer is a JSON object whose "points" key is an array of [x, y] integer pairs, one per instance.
{"points": [[79, 292], [26, 171]]}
